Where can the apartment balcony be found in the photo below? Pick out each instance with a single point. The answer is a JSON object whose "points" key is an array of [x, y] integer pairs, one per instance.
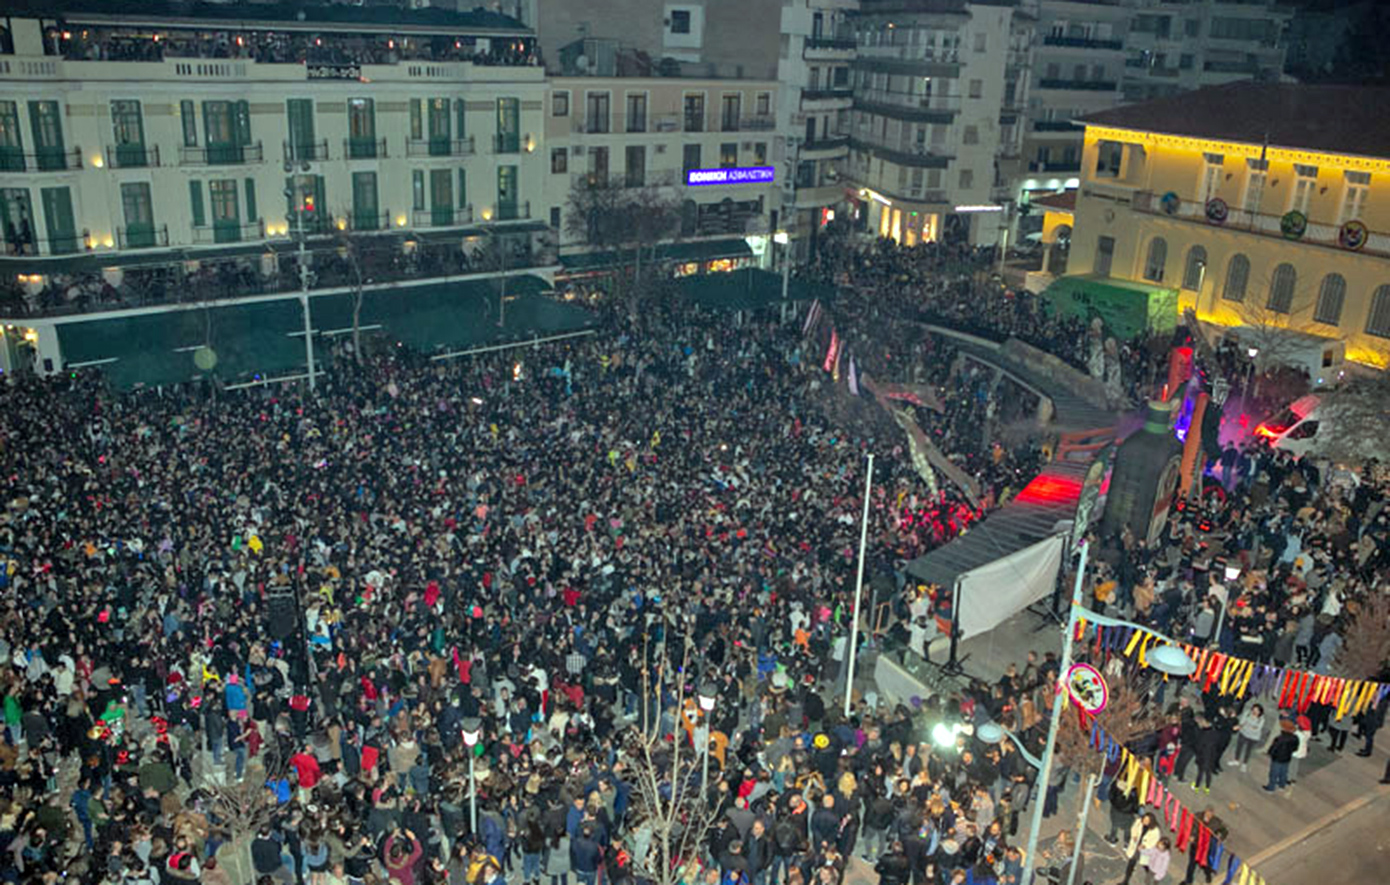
{"points": [[1245, 68], [947, 67], [1056, 126], [828, 49], [1083, 43], [234, 232], [664, 178], [915, 157], [426, 218], [364, 148], [813, 197], [308, 152], [143, 236], [1072, 166], [506, 143], [593, 126], [763, 123], [221, 155], [1078, 85], [827, 99], [510, 212], [439, 147], [364, 222], [913, 108], [42, 160], [132, 156], [1261, 224], [826, 148]]}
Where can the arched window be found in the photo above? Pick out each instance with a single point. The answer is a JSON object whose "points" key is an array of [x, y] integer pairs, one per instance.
{"points": [[1237, 275], [1378, 320], [1158, 257], [1281, 287], [1330, 297], [1195, 271]]}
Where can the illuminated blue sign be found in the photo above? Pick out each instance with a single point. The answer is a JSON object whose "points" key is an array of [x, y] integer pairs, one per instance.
{"points": [[734, 175]]}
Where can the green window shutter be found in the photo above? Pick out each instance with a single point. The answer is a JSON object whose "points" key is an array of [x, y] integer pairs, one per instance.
{"points": [[417, 187], [195, 195], [301, 121], [251, 200], [463, 188], [190, 123], [417, 123], [458, 112], [320, 205], [242, 123]]}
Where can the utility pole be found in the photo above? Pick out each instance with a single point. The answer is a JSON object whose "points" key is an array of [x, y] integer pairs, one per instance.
{"points": [[858, 588]]}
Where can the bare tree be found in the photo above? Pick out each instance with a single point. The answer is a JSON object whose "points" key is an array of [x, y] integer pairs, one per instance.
{"points": [[1127, 716], [611, 217], [1366, 642], [1271, 317], [241, 809], [671, 805], [1360, 412]]}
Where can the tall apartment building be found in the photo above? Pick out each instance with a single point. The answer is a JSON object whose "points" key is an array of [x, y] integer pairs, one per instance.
{"points": [[671, 139], [1092, 56], [939, 92], [199, 143], [814, 68]]}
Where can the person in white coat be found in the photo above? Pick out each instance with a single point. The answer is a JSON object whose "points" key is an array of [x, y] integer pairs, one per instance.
{"points": [[1143, 838], [1304, 734]]}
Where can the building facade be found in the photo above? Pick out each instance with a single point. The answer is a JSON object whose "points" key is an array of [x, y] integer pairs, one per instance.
{"points": [[939, 91], [1266, 206], [148, 139], [1091, 56], [817, 48], [693, 144]]}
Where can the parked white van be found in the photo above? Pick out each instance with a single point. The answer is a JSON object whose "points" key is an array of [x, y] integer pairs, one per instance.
{"points": [[1296, 427]]}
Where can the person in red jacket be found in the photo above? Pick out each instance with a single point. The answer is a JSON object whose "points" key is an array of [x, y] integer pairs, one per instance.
{"points": [[307, 772]]}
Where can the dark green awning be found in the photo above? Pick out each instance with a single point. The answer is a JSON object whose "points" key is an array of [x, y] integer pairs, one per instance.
{"points": [[698, 250], [1127, 308]]}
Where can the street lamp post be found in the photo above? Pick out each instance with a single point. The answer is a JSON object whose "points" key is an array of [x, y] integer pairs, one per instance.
{"points": [[858, 588], [1167, 659], [706, 699], [472, 731]]}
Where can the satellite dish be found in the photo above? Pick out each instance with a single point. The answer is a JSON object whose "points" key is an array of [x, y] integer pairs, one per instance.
{"points": [[205, 358], [582, 62]]}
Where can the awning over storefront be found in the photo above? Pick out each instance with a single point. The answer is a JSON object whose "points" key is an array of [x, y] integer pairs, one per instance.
{"points": [[1127, 308], [265, 338], [677, 253], [749, 288]]}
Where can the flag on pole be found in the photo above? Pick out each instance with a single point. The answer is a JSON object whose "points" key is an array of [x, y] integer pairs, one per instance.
{"points": [[812, 317], [833, 352], [853, 377], [835, 374]]}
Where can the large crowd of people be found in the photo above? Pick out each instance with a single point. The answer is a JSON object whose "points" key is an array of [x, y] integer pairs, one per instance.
{"points": [[312, 597]]}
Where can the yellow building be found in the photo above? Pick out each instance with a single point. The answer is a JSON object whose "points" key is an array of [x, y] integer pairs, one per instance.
{"points": [[1263, 205]]}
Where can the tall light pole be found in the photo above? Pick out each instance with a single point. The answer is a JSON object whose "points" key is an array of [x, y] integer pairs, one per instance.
{"points": [[858, 588], [297, 202], [472, 731], [1167, 659], [706, 699]]}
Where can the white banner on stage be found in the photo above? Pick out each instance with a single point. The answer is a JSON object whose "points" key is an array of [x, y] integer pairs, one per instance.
{"points": [[993, 593]]}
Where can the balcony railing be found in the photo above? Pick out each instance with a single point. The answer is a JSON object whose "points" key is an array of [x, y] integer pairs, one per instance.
{"points": [[595, 126], [1262, 224], [830, 43], [142, 236], [229, 233], [512, 211], [829, 142], [918, 157], [364, 148], [221, 155], [165, 277], [747, 124], [664, 178], [904, 106], [439, 147], [1082, 42], [1055, 126], [367, 221], [1080, 85], [307, 152], [827, 93], [443, 217], [1231, 67], [41, 160], [506, 143], [1055, 166], [132, 156]]}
